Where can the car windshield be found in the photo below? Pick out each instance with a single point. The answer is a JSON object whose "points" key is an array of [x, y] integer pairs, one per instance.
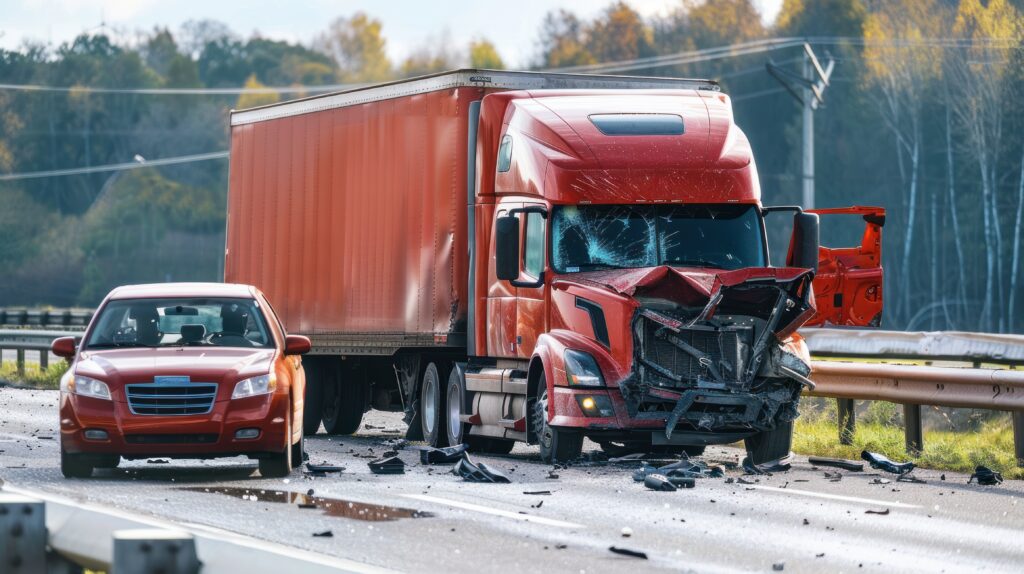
{"points": [[222, 322], [592, 237]]}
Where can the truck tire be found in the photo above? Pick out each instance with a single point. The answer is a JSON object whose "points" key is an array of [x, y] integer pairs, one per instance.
{"points": [[75, 465], [556, 444], [433, 404], [770, 445], [313, 401], [457, 431], [344, 400], [279, 464]]}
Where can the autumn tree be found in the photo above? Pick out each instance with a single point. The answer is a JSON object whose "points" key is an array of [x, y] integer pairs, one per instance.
{"points": [[358, 48], [561, 42], [255, 98], [483, 54], [619, 34]]}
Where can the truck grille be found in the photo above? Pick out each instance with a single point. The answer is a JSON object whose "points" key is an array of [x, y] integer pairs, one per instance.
{"points": [[727, 347], [171, 399]]}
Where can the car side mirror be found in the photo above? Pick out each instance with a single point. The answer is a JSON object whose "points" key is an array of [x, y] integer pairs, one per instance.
{"points": [[803, 246], [63, 347], [296, 345], [506, 248]]}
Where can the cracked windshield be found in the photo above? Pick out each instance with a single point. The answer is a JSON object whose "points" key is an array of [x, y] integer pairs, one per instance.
{"points": [[593, 237]]}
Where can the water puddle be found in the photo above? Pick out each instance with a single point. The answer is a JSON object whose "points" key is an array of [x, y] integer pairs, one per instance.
{"points": [[330, 506]]}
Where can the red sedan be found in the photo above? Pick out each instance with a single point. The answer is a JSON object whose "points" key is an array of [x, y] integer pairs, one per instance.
{"points": [[182, 370]]}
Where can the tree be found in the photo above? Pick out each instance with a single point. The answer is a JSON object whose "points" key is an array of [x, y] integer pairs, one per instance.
{"points": [[254, 99], [722, 22], [357, 47], [822, 18], [619, 34], [561, 41], [483, 54], [431, 57]]}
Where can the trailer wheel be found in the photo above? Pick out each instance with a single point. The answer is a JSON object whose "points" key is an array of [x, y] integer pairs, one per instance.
{"points": [[770, 445], [313, 400], [75, 465], [433, 407], [556, 444], [344, 400]]}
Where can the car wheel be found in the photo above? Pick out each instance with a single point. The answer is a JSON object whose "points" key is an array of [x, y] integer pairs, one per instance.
{"points": [[556, 444], [433, 409], [299, 451], [313, 401], [770, 445], [75, 465], [278, 465], [107, 461], [344, 400]]}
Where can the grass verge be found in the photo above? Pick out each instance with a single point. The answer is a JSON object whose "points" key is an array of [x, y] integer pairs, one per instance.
{"points": [[34, 376]]}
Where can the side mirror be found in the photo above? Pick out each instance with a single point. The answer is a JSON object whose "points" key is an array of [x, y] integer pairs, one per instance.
{"points": [[63, 347], [506, 248], [803, 246], [296, 345]]}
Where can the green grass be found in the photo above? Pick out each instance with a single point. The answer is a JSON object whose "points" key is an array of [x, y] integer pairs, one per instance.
{"points": [[34, 376], [990, 444]]}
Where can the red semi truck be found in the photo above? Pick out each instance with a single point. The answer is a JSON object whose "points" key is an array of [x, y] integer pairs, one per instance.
{"points": [[516, 256]]}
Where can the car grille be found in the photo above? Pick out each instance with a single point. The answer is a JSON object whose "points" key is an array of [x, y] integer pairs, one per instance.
{"points": [[727, 347], [171, 399]]}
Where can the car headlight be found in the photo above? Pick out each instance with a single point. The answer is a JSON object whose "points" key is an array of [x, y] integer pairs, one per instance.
{"points": [[253, 386], [84, 386], [581, 369]]}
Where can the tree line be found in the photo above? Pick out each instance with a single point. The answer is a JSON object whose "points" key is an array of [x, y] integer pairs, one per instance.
{"points": [[922, 115]]}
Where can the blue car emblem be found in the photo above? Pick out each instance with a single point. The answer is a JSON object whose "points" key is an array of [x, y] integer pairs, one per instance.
{"points": [[172, 380]]}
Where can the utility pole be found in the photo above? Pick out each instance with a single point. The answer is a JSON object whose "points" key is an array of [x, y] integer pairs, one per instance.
{"points": [[807, 88]]}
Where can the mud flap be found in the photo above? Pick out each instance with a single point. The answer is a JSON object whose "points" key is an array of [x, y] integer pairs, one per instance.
{"points": [[770, 445]]}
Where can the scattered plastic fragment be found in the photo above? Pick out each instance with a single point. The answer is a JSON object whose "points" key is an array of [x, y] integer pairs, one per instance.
{"points": [[538, 492], [986, 476], [323, 467], [680, 469], [909, 477], [836, 462], [626, 532], [881, 462], [447, 455], [158, 461], [879, 512], [628, 552], [473, 472], [324, 534], [659, 482], [779, 566], [833, 476], [750, 468], [881, 481], [390, 465]]}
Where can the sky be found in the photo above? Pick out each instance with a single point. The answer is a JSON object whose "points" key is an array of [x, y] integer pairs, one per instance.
{"points": [[407, 24]]}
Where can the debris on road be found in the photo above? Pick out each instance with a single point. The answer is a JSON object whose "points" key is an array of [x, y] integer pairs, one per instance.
{"points": [[986, 476], [833, 476], [447, 455], [626, 532], [680, 469], [628, 552], [879, 512], [750, 468], [836, 462], [779, 566], [389, 465], [473, 472], [881, 481], [324, 534], [909, 477], [881, 462], [323, 467], [538, 492], [659, 482]]}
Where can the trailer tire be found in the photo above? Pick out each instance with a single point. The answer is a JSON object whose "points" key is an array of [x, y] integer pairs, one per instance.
{"points": [[433, 406], [770, 445], [556, 444], [344, 401], [313, 399]]}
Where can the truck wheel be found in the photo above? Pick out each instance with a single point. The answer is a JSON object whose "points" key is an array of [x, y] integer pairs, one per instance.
{"points": [[74, 465], [556, 444], [432, 406], [278, 465], [770, 445], [344, 401], [313, 400], [457, 430]]}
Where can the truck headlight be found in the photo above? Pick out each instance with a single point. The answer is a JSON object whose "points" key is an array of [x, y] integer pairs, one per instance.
{"points": [[581, 369], [253, 386], [84, 386]]}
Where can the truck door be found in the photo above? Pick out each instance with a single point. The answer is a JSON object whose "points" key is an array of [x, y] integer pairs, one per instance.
{"points": [[848, 285], [531, 316], [501, 300]]}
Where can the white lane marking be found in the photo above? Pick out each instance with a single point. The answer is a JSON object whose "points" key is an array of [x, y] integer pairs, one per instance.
{"points": [[494, 511], [799, 492]]}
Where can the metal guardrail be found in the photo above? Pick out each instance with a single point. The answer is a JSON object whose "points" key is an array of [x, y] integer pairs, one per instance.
{"points": [[19, 317], [22, 340]]}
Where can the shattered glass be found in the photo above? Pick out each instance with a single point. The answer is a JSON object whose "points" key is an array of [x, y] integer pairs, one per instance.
{"points": [[591, 237]]}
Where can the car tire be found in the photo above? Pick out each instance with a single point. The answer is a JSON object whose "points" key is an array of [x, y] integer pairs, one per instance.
{"points": [[770, 445], [107, 461], [299, 451], [279, 464], [433, 406], [313, 400], [556, 444], [75, 465], [344, 400]]}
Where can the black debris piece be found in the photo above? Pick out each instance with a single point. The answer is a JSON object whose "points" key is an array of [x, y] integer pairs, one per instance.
{"points": [[742, 480], [683, 482], [779, 566], [659, 482], [447, 455], [538, 492], [730, 480], [986, 476], [879, 512], [881, 481], [538, 505], [307, 505], [909, 477], [552, 475], [156, 461], [941, 476], [833, 476], [628, 552], [324, 534], [389, 465], [323, 467], [750, 468], [881, 462], [680, 469], [473, 472], [561, 546], [836, 462]]}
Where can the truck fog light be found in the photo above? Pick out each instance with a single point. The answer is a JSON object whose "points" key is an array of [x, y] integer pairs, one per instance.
{"points": [[595, 405], [246, 434], [96, 434]]}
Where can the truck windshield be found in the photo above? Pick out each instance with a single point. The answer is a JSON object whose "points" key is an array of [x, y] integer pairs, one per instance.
{"points": [[222, 322], [592, 237]]}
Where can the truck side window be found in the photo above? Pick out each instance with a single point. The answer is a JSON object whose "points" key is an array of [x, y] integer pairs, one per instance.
{"points": [[533, 258], [505, 154]]}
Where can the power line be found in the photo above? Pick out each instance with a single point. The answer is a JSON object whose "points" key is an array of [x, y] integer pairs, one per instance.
{"points": [[115, 166], [181, 91]]}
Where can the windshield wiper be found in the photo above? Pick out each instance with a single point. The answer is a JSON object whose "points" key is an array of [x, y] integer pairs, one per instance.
{"points": [[694, 263]]}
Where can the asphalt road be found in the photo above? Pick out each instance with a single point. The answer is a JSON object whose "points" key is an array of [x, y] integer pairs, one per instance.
{"points": [[798, 520]]}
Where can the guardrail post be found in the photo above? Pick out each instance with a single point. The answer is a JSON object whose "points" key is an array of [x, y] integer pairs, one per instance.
{"points": [[847, 420], [913, 429], [44, 360], [22, 535], [153, 551], [21, 362], [1018, 437]]}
